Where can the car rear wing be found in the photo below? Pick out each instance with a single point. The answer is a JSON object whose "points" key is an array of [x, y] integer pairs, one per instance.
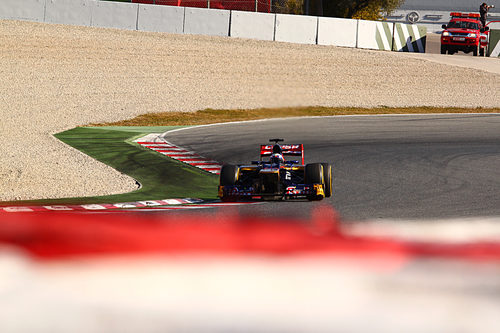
{"points": [[290, 150]]}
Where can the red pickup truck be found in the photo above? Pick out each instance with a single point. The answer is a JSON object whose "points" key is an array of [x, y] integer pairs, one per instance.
{"points": [[464, 33]]}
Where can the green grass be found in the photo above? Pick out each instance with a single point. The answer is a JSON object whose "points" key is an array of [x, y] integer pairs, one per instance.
{"points": [[161, 177]]}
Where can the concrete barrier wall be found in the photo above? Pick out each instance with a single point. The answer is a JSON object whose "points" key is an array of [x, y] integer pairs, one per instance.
{"points": [[30, 10], [494, 46], [375, 35], [409, 38], [296, 29], [118, 15], [75, 12], [338, 32], [279, 27], [161, 19], [201, 21], [252, 25]]}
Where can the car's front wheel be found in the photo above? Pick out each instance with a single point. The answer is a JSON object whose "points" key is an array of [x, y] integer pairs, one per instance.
{"points": [[327, 177], [228, 175], [313, 174], [443, 49]]}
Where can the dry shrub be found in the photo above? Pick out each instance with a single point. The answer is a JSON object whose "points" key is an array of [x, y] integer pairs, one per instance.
{"points": [[289, 7]]}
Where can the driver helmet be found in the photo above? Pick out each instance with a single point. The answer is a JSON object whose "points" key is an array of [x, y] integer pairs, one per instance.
{"points": [[277, 158], [277, 149]]}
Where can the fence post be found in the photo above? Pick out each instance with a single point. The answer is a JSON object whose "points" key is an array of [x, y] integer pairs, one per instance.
{"points": [[208, 3], [255, 5]]}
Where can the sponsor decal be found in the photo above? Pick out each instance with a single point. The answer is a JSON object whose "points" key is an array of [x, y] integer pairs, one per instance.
{"points": [[165, 204], [101, 207]]}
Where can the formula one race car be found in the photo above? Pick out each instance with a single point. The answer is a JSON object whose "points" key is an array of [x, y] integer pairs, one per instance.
{"points": [[276, 179]]}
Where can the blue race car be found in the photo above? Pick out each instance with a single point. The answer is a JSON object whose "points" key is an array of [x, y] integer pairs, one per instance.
{"points": [[276, 178]]}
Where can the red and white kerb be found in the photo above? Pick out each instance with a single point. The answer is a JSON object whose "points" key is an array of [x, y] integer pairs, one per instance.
{"points": [[156, 143]]}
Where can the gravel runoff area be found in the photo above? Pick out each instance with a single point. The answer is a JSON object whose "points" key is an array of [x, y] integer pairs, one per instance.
{"points": [[56, 77]]}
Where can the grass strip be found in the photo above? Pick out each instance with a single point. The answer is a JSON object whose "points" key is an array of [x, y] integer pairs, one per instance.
{"points": [[210, 116], [161, 177]]}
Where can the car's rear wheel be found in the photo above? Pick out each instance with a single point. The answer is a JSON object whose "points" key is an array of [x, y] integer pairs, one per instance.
{"points": [[313, 174], [327, 177]]}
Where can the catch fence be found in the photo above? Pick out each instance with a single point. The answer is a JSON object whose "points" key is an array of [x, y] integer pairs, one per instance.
{"points": [[263, 6]]}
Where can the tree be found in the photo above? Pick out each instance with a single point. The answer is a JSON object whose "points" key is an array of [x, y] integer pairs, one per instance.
{"points": [[359, 9]]}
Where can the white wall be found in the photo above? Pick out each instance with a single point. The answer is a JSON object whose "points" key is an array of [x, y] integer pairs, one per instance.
{"points": [[30, 10], [202, 21], [375, 35], [119, 15], [252, 25], [409, 38], [338, 32], [296, 29], [76, 12], [161, 19]]}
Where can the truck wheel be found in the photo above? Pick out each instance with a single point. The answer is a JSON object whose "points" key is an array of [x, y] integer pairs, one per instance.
{"points": [[475, 52], [327, 177], [443, 49], [228, 175], [314, 175]]}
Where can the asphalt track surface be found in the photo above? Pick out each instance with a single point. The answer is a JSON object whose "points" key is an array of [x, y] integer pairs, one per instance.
{"points": [[384, 167]]}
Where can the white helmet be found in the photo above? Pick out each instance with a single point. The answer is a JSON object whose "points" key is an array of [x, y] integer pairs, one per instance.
{"points": [[277, 158]]}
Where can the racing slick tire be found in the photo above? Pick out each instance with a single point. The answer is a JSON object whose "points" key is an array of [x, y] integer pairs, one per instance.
{"points": [[327, 177], [228, 175], [444, 49], [313, 174]]}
